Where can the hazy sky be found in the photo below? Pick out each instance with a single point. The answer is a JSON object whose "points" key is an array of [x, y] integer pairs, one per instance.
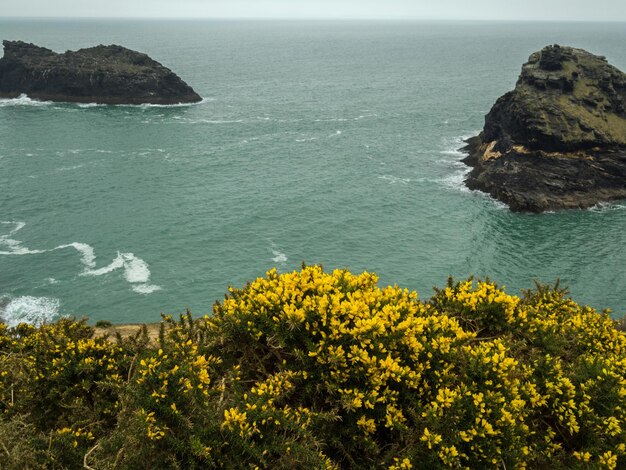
{"points": [[563, 10]]}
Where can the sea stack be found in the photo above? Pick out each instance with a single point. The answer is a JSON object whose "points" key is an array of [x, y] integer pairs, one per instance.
{"points": [[102, 74], [558, 140]]}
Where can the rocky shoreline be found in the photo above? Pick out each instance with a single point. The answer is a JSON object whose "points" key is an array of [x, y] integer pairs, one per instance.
{"points": [[101, 74], [558, 141], [536, 181]]}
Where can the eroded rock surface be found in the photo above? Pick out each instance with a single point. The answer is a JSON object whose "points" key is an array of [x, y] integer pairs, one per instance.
{"points": [[101, 74], [558, 140]]}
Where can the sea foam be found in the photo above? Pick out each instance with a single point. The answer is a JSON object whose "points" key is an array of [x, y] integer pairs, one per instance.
{"points": [[22, 100], [175, 105], [136, 270], [279, 257], [394, 179], [458, 170], [607, 207], [28, 309], [14, 247]]}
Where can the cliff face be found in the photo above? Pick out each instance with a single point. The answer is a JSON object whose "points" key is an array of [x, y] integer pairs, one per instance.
{"points": [[101, 74], [558, 140]]}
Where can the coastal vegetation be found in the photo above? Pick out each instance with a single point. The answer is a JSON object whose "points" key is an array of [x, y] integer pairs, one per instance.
{"points": [[315, 369]]}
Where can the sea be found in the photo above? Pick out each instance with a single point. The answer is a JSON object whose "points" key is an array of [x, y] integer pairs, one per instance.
{"points": [[317, 142]]}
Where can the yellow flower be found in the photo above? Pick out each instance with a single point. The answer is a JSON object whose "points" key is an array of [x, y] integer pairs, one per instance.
{"points": [[430, 439], [400, 465], [609, 460]]}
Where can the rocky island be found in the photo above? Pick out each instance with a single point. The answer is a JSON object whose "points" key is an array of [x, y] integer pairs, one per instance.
{"points": [[558, 140], [102, 74]]}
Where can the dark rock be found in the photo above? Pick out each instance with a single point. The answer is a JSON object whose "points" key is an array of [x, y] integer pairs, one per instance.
{"points": [[101, 74], [558, 140]]}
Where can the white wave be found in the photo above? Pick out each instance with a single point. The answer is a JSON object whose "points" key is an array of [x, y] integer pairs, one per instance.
{"points": [[70, 168], [498, 204], [28, 309], [394, 179], [453, 152], [14, 247], [175, 105], [88, 256], [331, 120], [279, 257], [309, 139], [18, 226], [458, 170], [145, 288], [607, 207], [143, 105], [342, 119], [452, 146], [456, 180], [22, 100], [216, 121], [136, 270], [116, 264]]}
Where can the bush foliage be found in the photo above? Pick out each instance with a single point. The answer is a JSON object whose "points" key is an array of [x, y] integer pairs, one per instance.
{"points": [[325, 370]]}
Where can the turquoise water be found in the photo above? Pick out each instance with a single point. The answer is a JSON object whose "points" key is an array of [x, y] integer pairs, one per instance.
{"points": [[324, 142]]}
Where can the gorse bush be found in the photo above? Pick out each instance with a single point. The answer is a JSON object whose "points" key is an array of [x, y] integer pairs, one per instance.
{"points": [[325, 370]]}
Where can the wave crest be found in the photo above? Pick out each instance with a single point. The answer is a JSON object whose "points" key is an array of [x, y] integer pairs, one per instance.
{"points": [[136, 270]]}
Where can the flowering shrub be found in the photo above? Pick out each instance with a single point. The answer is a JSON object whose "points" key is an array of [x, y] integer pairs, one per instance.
{"points": [[326, 370]]}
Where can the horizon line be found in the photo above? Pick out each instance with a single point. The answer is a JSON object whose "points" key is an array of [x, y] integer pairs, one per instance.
{"points": [[302, 18]]}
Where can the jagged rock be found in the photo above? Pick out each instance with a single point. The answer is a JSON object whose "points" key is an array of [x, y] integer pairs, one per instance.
{"points": [[558, 140], [101, 74]]}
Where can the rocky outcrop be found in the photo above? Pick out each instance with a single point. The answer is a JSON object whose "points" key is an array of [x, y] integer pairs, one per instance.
{"points": [[558, 140], [101, 74]]}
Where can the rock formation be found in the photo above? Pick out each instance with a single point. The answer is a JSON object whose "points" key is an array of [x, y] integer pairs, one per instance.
{"points": [[101, 74], [558, 140]]}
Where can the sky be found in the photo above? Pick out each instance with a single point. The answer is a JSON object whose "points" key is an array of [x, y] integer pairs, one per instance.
{"points": [[542, 10]]}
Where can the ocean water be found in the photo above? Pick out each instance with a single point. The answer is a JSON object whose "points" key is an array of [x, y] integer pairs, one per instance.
{"points": [[323, 142]]}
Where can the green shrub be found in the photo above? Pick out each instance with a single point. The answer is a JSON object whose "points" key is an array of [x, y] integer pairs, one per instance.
{"points": [[326, 370]]}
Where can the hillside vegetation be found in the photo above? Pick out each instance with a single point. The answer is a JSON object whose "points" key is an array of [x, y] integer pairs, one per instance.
{"points": [[311, 369]]}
